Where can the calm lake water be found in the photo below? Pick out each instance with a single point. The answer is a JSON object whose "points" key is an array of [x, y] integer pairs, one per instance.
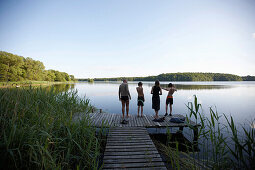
{"points": [[232, 98]]}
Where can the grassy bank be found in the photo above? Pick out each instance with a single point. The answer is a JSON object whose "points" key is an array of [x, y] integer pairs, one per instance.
{"points": [[37, 130], [221, 145], [30, 83]]}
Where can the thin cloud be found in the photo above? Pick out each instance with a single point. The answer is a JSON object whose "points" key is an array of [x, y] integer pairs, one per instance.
{"points": [[253, 35]]}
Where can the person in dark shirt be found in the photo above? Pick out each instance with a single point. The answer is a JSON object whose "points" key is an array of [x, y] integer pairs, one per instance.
{"points": [[156, 91]]}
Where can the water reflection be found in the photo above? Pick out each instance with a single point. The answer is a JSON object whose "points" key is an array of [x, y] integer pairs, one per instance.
{"points": [[61, 87], [191, 86], [235, 98]]}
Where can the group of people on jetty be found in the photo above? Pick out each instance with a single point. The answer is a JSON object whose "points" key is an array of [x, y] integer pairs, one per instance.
{"points": [[156, 91]]}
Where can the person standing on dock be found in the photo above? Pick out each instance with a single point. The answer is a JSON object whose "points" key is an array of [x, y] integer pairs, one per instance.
{"points": [[140, 99], [156, 91], [124, 97], [169, 99]]}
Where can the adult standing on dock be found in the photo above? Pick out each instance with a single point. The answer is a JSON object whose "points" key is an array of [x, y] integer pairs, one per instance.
{"points": [[124, 97], [156, 91]]}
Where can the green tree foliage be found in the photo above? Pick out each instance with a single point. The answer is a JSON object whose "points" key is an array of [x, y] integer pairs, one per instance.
{"points": [[188, 76], [18, 68], [248, 78]]}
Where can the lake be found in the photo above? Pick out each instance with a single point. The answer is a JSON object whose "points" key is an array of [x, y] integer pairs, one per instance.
{"points": [[232, 98]]}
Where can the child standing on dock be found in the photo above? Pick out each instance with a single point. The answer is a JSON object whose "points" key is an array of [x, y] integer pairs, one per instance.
{"points": [[169, 99], [140, 99]]}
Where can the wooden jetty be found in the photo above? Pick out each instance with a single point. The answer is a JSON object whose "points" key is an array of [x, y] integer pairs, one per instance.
{"points": [[131, 148], [114, 120]]}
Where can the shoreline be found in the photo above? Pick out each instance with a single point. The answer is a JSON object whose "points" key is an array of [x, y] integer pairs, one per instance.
{"points": [[31, 83]]}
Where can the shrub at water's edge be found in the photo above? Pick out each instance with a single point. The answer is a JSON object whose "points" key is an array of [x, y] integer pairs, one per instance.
{"points": [[222, 146], [37, 130]]}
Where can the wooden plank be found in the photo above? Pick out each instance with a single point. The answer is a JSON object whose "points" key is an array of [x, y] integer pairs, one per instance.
{"points": [[134, 165], [129, 143], [132, 156], [137, 145], [95, 118], [98, 122], [131, 149], [111, 161]]}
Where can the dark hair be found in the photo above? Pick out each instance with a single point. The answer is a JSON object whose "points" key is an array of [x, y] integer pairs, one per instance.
{"points": [[156, 83], [170, 85], [140, 84]]}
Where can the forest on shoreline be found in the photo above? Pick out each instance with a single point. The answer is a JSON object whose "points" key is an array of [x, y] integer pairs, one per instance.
{"points": [[186, 76], [17, 68]]}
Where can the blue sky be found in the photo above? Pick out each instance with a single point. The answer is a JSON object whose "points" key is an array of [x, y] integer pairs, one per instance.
{"points": [[110, 38]]}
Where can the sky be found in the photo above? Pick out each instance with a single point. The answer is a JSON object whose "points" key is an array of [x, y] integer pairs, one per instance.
{"points": [[120, 38]]}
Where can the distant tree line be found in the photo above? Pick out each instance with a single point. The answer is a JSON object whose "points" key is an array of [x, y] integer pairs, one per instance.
{"points": [[18, 68], [188, 76]]}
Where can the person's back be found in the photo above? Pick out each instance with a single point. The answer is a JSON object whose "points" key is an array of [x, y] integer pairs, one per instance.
{"points": [[124, 97], [140, 99], [155, 91], [123, 89], [171, 91]]}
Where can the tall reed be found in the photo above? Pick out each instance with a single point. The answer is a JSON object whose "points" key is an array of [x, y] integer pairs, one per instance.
{"points": [[221, 145], [37, 130]]}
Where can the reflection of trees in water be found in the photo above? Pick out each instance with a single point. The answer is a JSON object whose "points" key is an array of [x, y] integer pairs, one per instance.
{"points": [[61, 87], [195, 87]]}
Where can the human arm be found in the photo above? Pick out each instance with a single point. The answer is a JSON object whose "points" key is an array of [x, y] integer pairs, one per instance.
{"points": [[160, 92], [152, 90], [119, 92], [128, 92]]}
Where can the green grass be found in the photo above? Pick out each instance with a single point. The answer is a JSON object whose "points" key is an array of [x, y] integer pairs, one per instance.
{"points": [[37, 130], [222, 145]]}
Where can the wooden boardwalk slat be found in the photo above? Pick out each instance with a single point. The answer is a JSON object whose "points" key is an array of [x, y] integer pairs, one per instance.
{"points": [[114, 120], [131, 147]]}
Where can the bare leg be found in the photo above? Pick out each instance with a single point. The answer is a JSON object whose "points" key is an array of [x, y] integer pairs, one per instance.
{"points": [[166, 108], [127, 107], [123, 108], [138, 111], [170, 109], [142, 111], [156, 116]]}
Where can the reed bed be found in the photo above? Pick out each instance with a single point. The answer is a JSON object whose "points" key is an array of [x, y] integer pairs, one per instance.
{"points": [[220, 145], [37, 130]]}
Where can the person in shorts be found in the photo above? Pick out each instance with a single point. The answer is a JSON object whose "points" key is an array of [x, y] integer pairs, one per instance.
{"points": [[140, 99], [169, 99], [124, 97]]}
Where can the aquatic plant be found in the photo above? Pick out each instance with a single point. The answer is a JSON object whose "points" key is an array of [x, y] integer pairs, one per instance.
{"points": [[219, 145], [37, 130]]}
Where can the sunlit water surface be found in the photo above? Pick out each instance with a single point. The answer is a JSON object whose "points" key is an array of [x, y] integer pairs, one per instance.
{"points": [[231, 98]]}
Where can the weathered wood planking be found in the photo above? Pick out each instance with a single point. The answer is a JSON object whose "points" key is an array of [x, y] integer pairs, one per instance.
{"points": [[131, 148], [114, 120]]}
